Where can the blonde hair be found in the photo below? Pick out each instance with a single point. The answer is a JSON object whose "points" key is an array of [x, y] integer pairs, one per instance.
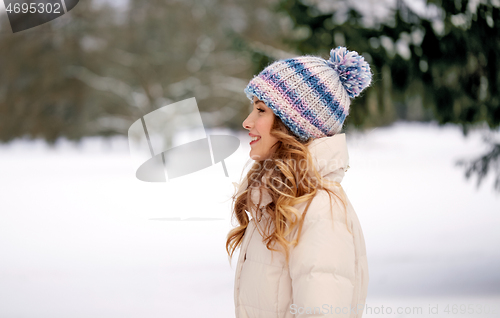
{"points": [[288, 184]]}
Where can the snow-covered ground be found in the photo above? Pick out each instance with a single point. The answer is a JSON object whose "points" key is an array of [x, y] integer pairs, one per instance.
{"points": [[80, 236]]}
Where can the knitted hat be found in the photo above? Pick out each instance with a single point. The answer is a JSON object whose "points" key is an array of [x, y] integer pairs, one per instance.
{"points": [[312, 95]]}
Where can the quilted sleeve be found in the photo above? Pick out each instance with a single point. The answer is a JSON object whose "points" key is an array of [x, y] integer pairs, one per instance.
{"points": [[322, 265]]}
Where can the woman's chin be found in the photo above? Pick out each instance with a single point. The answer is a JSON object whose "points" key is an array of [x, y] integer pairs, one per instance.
{"points": [[255, 156]]}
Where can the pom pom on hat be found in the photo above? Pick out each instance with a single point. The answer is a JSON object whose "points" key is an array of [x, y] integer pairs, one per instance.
{"points": [[354, 72]]}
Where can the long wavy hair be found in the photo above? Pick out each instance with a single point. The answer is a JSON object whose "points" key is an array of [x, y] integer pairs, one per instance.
{"points": [[290, 177]]}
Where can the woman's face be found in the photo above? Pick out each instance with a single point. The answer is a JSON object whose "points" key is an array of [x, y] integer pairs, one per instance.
{"points": [[259, 124]]}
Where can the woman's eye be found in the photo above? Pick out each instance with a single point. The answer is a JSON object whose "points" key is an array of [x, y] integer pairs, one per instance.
{"points": [[260, 110]]}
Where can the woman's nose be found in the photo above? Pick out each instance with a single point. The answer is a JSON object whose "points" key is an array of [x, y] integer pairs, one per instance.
{"points": [[246, 123]]}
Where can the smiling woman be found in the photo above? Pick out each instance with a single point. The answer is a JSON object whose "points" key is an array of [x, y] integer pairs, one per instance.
{"points": [[293, 194], [259, 123]]}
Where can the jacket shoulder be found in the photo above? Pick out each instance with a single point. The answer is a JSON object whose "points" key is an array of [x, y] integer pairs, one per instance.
{"points": [[324, 206]]}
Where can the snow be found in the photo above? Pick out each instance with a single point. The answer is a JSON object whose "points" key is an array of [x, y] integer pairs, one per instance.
{"points": [[80, 236]]}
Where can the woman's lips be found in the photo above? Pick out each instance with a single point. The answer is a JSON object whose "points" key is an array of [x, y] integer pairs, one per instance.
{"points": [[254, 141]]}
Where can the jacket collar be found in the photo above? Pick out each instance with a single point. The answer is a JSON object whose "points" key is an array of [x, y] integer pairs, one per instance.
{"points": [[330, 157]]}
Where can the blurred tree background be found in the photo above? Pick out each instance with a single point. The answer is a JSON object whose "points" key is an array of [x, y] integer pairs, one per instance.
{"points": [[99, 68], [439, 60], [96, 70]]}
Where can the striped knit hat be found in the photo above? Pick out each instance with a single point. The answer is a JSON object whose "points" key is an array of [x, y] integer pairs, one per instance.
{"points": [[312, 95]]}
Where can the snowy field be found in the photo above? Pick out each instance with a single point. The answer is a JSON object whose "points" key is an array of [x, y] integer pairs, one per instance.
{"points": [[80, 236]]}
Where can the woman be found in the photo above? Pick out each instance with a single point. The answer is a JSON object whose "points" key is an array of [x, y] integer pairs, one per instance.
{"points": [[307, 257]]}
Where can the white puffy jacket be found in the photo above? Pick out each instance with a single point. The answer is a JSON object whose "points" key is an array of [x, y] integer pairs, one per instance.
{"points": [[327, 274]]}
